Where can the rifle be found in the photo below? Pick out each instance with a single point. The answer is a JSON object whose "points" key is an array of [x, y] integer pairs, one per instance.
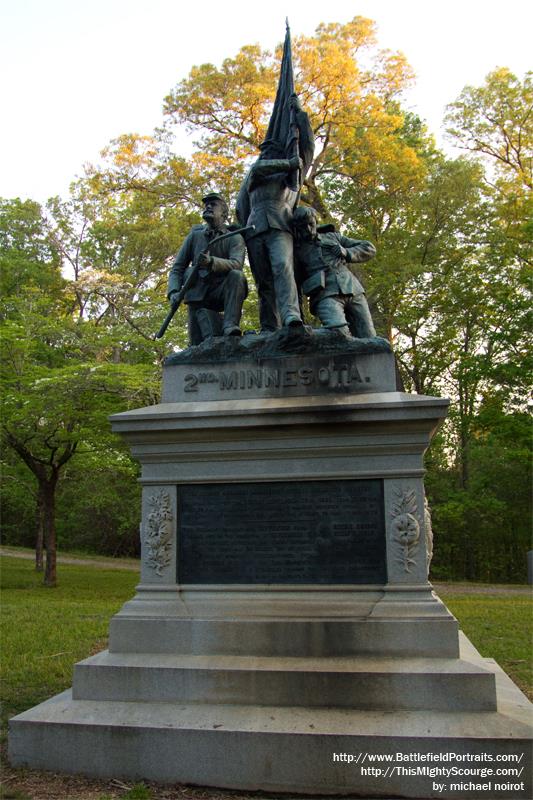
{"points": [[192, 277]]}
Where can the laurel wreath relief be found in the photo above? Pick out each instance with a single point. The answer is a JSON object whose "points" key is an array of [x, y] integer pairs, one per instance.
{"points": [[405, 527], [158, 538]]}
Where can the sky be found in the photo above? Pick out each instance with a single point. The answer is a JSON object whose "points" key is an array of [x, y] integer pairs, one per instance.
{"points": [[78, 73]]}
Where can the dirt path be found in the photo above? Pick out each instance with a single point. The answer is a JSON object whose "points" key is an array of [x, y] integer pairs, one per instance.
{"points": [[134, 566], [107, 563]]}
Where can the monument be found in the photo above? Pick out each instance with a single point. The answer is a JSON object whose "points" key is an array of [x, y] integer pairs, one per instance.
{"points": [[284, 635]]}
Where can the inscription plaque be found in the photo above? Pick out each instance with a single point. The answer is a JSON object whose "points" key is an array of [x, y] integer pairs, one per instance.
{"points": [[292, 376], [313, 532]]}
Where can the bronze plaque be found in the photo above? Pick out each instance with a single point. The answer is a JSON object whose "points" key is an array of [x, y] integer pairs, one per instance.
{"points": [[308, 532]]}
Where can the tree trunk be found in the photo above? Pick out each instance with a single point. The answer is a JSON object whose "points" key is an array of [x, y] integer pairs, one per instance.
{"points": [[49, 497], [400, 385], [39, 564], [465, 466], [47, 476], [314, 198]]}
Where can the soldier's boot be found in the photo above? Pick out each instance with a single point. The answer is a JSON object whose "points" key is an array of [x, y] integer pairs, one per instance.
{"points": [[209, 322], [232, 330], [343, 330]]}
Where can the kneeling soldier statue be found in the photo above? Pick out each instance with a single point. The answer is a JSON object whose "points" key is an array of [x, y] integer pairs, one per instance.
{"points": [[221, 285], [322, 256]]}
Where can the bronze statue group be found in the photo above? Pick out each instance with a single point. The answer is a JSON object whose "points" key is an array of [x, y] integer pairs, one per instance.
{"points": [[289, 253]]}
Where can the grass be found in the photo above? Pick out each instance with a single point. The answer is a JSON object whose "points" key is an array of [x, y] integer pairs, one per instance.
{"points": [[45, 631], [500, 627]]}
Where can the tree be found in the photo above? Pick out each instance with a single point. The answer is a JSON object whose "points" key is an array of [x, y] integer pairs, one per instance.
{"points": [[484, 529], [495, 121], [348, 85], [449, 287], [58, 388], [115, 249], [51, 412]]}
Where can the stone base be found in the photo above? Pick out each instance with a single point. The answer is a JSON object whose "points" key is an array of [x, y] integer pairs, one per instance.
{"points": [[266, 678], [290, 638], [289, 620], [363, 684], [236, 739]]}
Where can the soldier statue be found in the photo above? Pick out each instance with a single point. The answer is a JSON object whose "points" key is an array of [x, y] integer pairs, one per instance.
{"points": [[322, 257], [221, 285], [267, 200]]}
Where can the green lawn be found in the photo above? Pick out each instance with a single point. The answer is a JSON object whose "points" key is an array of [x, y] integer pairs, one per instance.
{"points": [[45, 631], [501, 627]]}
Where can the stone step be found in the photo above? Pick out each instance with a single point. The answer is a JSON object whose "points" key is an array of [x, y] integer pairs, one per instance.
{"points": [[289, 749], [358, 683], [434, 636]]}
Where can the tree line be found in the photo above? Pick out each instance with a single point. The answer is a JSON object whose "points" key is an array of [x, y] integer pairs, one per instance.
{"points": [[83, 283]]}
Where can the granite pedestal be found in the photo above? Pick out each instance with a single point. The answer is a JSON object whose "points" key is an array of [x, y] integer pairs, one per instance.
{"points": [[284, 635]]}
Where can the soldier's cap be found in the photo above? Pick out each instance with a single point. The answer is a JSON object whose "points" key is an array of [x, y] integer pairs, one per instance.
{"points": [[214, 196]]}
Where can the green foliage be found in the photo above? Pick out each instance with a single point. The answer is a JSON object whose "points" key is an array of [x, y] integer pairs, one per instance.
{"points": [[7, 793], [27, 256], [482, 531], [62, 372], [139, 792], [99, 505], [495, 122], [18, 502], [84, 283]]}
